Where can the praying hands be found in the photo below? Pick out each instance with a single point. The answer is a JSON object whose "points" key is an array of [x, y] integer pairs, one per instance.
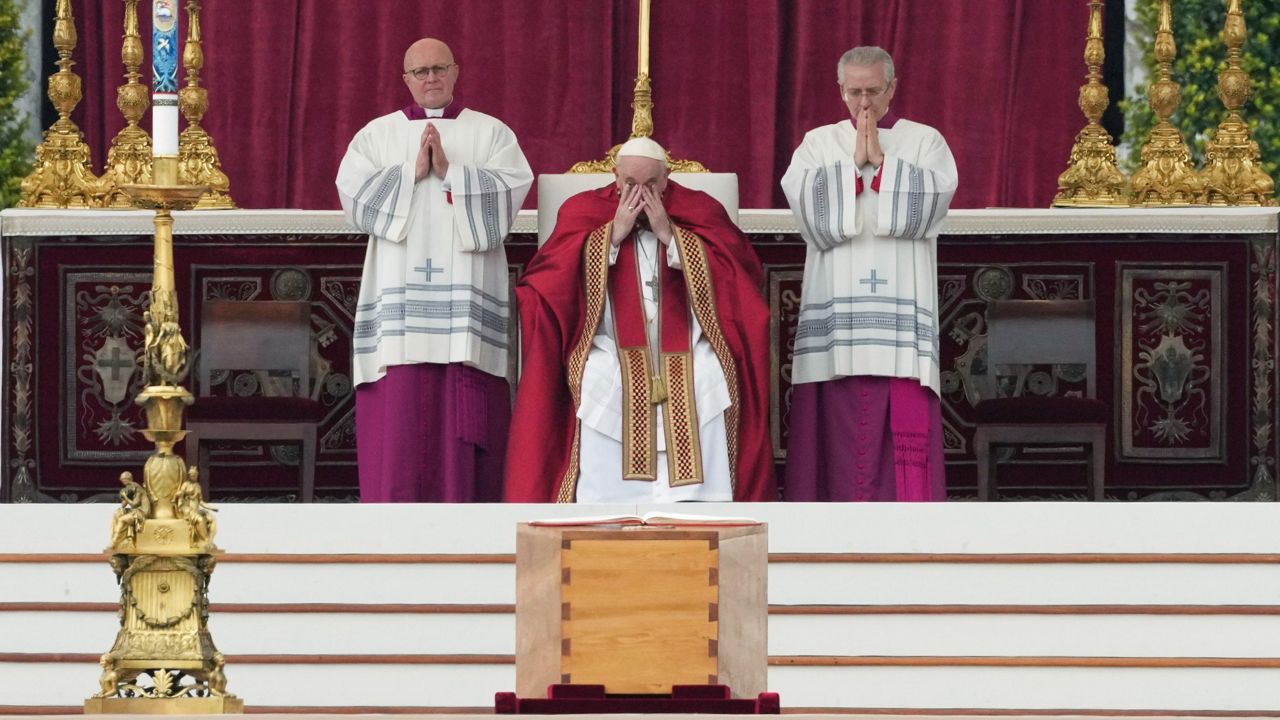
{"points": [[431, 157], [868, 144]]}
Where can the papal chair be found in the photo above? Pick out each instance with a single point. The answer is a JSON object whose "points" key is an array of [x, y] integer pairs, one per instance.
{"points": [[553, 190], [255, 336], [1020, 335]]}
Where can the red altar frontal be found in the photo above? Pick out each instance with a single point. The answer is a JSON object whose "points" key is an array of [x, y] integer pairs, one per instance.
{"points": [[1185, 330]]}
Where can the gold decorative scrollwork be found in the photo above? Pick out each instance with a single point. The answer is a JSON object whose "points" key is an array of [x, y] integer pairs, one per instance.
{"points": [[1167, 176], [62, 177], [1233, 173], [1092, 178]]}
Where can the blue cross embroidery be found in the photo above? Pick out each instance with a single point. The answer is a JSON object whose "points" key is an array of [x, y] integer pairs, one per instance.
{"points": [[873, 281], [429, 270]]}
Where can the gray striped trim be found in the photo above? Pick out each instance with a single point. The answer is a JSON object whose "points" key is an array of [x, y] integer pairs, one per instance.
{"points": [[372, 197], [920, 183], [500, 343], [470, 290], [837, 322], [865, 342], [479, 315], [915, 199], [487, 182], [855, 299], [839, 203], [821, 211], [897, 183]]}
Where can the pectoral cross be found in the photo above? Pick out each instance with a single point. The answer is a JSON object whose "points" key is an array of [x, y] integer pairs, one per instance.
{"points": [[653, 285]]}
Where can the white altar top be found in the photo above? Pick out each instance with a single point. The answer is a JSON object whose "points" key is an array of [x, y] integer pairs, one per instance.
{"points": [[993, 221]]}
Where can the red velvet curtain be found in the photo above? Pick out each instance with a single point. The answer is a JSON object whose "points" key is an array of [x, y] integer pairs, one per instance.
{"points": [[736, 82]]}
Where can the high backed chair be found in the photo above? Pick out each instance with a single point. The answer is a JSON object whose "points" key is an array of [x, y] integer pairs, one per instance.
{"points": [[553, 190], [1030, 332], [260, 336]]}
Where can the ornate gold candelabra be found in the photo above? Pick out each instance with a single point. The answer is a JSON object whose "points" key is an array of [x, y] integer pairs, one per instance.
{"points": [[642, 112], [163, 660], [1092, 178], [1167, 175], [199, 163], [1233, 174], [129, 160], [62, 176]]}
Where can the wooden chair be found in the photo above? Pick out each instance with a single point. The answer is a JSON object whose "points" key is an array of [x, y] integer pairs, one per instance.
{"points": [[255, 335], [1028, 332]]}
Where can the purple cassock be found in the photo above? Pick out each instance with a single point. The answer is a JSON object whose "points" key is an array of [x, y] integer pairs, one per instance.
{"points": [[864, 438], [432, 433]]}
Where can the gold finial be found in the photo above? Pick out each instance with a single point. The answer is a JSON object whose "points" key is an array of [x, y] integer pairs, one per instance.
{"points": [[62, 176], [129, 159], [199, 163], [642, 111], [1092, 178], [1167, 175], [1233, 173]]}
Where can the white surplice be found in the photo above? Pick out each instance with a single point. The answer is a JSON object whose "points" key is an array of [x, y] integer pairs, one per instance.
{"points": [[869, 304], [600, 449], [435, 283]]}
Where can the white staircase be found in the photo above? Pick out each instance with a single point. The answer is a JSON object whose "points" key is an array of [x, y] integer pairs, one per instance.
{"points": [[1049, 608]]}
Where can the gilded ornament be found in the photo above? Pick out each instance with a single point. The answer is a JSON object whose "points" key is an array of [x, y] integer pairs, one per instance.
{"points": [[642, 115], [1233, 173], [1092, 178], [1167, 175], [162, 534], [129, 518], [129, 161], [199, 163], [109, 680], [62, 177]]}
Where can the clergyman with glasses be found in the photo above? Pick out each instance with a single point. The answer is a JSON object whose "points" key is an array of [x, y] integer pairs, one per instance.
{"points": [[436, 186], [869, 195]]}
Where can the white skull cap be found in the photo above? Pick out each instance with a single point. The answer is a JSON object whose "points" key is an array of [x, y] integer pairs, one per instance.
{"points": [[643, 147]]}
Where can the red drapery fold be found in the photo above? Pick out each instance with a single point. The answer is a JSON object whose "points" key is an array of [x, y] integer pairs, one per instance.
{"points": [[736, 83]]}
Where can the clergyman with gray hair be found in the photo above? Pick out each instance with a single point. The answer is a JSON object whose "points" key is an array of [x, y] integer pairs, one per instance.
{"points": [[869, 195]]}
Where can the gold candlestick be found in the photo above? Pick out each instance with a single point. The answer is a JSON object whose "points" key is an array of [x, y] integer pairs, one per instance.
{"points": [[1233, 173], [642, 111], [1167, 176], [129, 160], [199, 158], [62, 177], [163, 660], [1092, 178]]}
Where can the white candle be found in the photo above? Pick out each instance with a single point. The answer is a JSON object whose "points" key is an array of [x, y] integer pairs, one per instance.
{"points": [[164, 77]]}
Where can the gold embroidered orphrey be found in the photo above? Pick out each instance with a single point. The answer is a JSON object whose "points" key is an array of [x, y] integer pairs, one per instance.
{"points": [[643, 391], [687, 462]]}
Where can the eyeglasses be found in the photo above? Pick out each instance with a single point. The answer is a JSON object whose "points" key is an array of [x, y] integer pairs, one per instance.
{"points": [[422, 73], [870, 93]]}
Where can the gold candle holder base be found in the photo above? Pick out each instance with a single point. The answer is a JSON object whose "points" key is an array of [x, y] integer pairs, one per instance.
{"points": [[164, 706]]}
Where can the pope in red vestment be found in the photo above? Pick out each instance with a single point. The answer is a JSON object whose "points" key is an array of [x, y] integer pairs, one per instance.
{"points": [[561, 300]]}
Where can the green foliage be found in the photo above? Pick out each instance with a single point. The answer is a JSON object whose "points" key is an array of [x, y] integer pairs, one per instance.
{"points": [[1197, 31], [16, 152]]}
